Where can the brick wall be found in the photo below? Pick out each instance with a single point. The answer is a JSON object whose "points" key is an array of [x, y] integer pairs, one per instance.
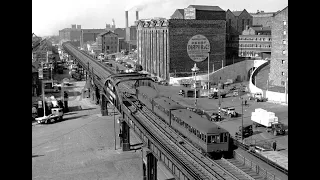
{"points": [[180, 31], [279, 61], [210, 15], [264, 21]]}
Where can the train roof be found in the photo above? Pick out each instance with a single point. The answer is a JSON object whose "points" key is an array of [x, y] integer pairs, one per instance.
{"points": [[198, 122], [147, 90], [168, 103]]}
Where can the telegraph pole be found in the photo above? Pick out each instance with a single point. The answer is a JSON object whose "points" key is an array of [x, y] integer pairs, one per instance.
{"points": [[242, 119]]}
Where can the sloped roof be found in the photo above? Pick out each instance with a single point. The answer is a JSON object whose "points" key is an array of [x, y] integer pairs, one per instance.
{"points": [[280, 11], [236, 13], [181, 11], [107, 32], [206, 8]]}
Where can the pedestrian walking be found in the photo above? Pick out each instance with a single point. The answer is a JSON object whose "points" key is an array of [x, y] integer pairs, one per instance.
{"points": [[274, 145], [65, 100]]}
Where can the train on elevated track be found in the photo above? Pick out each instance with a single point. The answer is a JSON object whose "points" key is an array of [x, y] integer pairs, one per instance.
{"points": [[208, 137]]}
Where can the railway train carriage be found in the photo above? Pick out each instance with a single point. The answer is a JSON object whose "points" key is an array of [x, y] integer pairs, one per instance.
{"points": [[209, 136], [146, 94], [206, 135], [163, 106]]}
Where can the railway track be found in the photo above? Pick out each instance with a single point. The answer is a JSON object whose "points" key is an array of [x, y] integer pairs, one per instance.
{"points": [[167, 145], [200, 162], [226, 171]]}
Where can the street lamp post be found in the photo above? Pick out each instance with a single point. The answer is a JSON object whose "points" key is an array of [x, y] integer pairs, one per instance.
{"points": [[195, 69], [208, 72]]}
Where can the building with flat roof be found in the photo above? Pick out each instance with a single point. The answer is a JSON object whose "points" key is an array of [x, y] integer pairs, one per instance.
{"points": [[279, 53], [261, 18], [162, 44]]}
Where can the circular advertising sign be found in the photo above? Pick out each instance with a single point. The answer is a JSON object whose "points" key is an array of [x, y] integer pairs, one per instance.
{"points": [[198, 48]]}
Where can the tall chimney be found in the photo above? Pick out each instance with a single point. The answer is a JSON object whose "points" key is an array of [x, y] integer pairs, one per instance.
{"points": [[137, 15], [127, 23]]}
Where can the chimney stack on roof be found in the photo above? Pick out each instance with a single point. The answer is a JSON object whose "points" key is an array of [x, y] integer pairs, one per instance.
{"points": [[137, 15], [127, 23]]}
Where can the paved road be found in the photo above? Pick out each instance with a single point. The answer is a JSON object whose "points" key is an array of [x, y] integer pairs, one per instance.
{"points": [[82, 147]]}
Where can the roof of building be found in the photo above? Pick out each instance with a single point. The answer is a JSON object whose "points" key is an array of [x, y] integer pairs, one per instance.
{"points": [[206, 8], [107, 32], [236, 13], [92, 30], [262, 13], [181, 11], [280, 11]]}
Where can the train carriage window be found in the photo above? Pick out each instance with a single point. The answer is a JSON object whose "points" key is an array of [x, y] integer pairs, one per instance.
{"points": [[210, 139], [205, 138], [225, 137]]}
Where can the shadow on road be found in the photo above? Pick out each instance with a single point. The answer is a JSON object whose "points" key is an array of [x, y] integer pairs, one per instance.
{"points": [[78, 108], [73, 117]]}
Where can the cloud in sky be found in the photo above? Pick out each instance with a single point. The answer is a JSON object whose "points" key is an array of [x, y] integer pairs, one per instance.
{"points": [[48, 17]]}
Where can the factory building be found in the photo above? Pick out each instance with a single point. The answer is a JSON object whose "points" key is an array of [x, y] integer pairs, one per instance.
{"points": [[163, 44]]}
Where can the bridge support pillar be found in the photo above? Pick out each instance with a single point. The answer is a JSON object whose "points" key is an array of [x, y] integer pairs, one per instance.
{"points": [[103, 105], [125, 135], [151, 166]]}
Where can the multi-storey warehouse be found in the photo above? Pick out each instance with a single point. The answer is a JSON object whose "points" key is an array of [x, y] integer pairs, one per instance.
{"points": [[162, 43]]}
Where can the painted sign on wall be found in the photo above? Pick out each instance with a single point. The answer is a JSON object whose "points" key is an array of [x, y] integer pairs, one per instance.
{"points": [[198, 48]]}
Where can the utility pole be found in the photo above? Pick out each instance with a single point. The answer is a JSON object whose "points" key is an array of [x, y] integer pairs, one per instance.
{"points": [[208, 73], [242, 119]]}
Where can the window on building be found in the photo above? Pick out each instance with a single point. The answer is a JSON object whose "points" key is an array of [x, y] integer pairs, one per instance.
{"points": [[284, 52], [284, 22], [242, 24], [284, 42], [282, 73], [284, 32], [283, 61]]}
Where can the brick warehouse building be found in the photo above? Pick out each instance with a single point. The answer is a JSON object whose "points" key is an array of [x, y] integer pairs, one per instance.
{"points": [[279, 52], [162, 43]]}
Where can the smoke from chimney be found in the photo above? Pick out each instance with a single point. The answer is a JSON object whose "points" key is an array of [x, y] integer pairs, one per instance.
{"points": [[127, 23], [137, 15]]}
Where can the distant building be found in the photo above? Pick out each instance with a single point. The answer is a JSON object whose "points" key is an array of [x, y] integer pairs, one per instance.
{"points": [[162, 43], [261, 18], [89, 35], [109, 42], [70, 34], [237, 21], [279, 52], [121, 32]]}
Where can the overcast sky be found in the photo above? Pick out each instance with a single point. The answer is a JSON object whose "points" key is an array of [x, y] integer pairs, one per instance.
{"points": [[48, 17]]}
